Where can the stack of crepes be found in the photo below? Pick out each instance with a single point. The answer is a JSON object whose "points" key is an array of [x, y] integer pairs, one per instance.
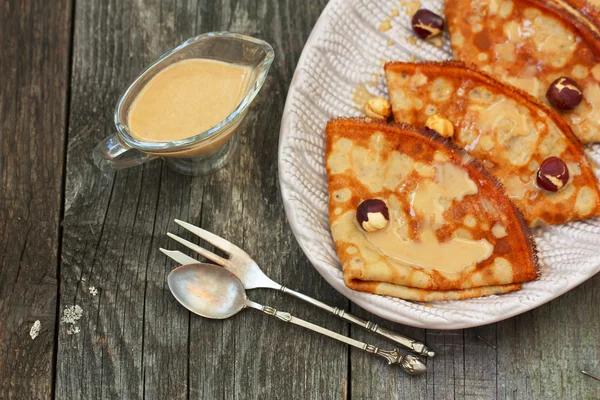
{"points": [[452, 233], [450, 215]]}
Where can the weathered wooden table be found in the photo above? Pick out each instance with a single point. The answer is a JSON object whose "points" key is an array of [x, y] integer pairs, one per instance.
{"points": [[65, 228]]}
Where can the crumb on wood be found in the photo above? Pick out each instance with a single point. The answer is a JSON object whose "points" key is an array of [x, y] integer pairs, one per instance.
{"points": [[73, 330], [93, 290], [70, 317], [35, 329], [72, 314]]}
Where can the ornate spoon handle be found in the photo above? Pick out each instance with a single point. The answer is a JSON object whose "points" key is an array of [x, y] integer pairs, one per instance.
{"points": [[409, 363], [411, 344]]}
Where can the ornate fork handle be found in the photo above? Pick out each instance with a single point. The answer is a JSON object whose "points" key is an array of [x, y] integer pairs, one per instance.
{"points": [[409, 363], [411, 344]]}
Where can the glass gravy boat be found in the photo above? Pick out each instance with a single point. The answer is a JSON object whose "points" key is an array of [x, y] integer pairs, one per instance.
{"points": [[208, 150]]}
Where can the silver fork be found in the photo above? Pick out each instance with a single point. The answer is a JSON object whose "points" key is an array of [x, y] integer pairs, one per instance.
{"points": [[252, 277]]}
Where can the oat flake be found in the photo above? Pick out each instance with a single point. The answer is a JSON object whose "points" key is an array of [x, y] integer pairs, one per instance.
{"points": [[35, 329]]}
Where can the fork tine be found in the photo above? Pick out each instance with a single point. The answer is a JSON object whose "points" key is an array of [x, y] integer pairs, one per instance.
{"points": [[200, 250], [178, 256], [213, 239]]}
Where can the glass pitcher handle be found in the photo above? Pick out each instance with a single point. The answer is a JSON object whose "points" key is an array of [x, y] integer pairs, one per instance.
{"points": [[111, 154]]}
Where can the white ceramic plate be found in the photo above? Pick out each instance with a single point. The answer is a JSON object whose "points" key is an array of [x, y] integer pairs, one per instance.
{"points": [[345, 49]]}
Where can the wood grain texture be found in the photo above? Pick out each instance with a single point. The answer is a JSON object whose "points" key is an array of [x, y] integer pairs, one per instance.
{"points": [[539, 355], [246, 208], [373, 378], [135, 340], [34, 64]]}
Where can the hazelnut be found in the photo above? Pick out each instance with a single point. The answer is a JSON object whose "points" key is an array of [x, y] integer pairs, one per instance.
{"points": [[564, 93], [372, 215], [440, 124], [427, 24], [378, 107], [553, 174]]}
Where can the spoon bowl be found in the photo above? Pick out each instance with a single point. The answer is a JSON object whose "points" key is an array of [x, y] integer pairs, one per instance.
{"points": [[207, 290]]}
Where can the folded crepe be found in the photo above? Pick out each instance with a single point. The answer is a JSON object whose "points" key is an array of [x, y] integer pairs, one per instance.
{"points": [[451, 231], [590, 9], [530, 44], [505, 129]]}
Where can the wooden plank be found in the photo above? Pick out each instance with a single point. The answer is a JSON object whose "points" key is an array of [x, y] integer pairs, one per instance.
{"points": [[373, 378], [253, 355], [112, 220], [480, 363], [166, 327], [35, 38], [135, 340], [445, 373], [541, 353], [464, 366]]}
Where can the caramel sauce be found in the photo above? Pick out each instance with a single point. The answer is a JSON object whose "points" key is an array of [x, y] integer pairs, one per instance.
{"points": [[450, 257], [428, 203], [186, 99]]}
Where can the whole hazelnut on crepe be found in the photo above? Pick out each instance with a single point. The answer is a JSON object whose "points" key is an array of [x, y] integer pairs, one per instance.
{"points": [[564, 93], [378, 107], [372, 215], [553, 174], [441, 125], [427, 24]]}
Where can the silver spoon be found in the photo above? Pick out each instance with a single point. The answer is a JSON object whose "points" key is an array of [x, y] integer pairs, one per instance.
{"points": [[213, 292]]}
